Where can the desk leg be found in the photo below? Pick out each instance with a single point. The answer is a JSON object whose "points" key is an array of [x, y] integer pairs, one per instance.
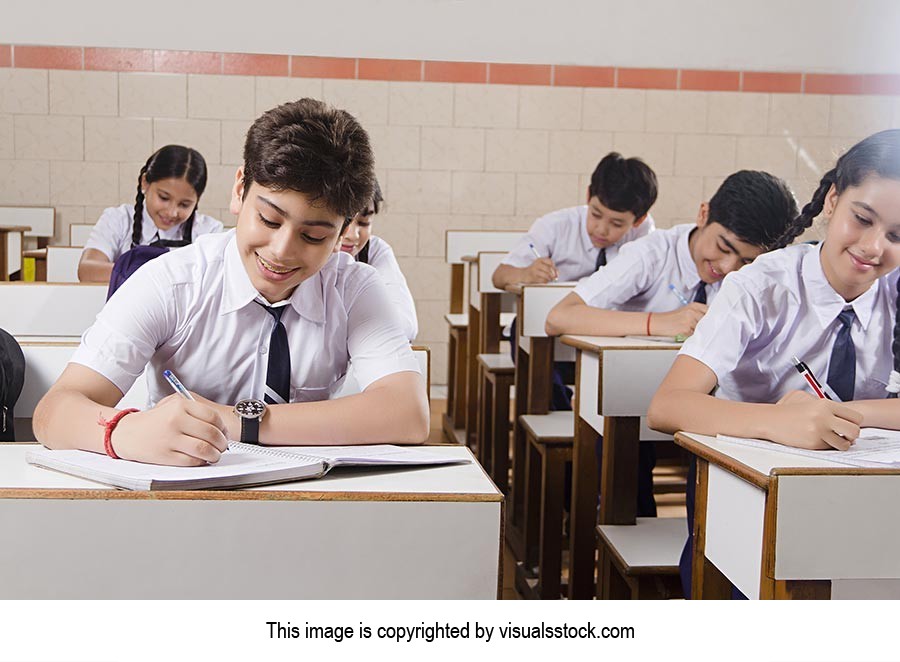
{"points": [[550, 554], [583, 512], [619, 478], [499, 433], [532, 506], [708, 582], [514, 534], [4, 256], [456, 383], [485, 425], [539, 376], [472, 375]]}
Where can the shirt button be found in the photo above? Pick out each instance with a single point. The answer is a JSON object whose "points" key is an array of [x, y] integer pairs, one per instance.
{"points": [[263, 349]]}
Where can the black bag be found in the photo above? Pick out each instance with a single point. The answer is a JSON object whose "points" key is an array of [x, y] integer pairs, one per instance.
{"points": [[12, 378], [130, 261]]}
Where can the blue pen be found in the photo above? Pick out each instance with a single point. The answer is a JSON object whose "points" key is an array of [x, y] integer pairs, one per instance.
{"points": [[534, 250], [680, 296], [177, 385]]}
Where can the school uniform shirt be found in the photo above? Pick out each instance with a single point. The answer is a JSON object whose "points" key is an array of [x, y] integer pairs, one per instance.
{"points": [[194, 311], [639, 278], [782, 306], [113, 231], [381, 257], [563, 237]]}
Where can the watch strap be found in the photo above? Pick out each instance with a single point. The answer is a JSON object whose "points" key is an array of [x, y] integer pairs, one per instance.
{"points": [[249, 430]]}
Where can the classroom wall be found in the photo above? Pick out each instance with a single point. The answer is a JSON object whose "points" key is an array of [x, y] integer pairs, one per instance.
{"points": [[76, 125]]}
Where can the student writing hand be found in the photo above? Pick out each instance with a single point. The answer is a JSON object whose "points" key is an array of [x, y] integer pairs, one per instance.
{"points": [[541, 270], [805, 421], [176, 432], [677, 322]]}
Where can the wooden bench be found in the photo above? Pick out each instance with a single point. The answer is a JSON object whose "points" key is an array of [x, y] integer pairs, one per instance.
{"points": [[640, 561], [497, 371]]}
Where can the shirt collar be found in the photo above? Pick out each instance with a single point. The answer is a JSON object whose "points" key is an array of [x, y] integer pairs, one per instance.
{"points": [[686, 263], [586, 242], [825, 302], [238, 292]]}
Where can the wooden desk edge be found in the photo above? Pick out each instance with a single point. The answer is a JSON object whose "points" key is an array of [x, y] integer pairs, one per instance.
{"points": [[572, 341], [739, 469], [15, 228]]}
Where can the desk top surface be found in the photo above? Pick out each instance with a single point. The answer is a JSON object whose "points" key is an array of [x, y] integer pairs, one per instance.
{"points": [[600, 343], [458, 482]]}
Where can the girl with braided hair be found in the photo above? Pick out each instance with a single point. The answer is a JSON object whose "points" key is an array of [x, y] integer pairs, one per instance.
{"points": [[164, 212], [833, 306]]}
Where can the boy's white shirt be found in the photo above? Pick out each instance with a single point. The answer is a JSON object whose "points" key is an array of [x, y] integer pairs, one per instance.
{"points": [[562, 236], [381, 257], [639, 278], [112, 232], [194, 311], [781, 306]]}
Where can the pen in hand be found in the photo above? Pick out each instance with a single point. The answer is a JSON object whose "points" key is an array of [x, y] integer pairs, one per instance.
{"points": [[823, 392], [534, 251], [177, 385], [681, 297]]}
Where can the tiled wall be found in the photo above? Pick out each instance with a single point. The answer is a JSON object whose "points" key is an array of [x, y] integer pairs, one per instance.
{"points": [[449, 154]]}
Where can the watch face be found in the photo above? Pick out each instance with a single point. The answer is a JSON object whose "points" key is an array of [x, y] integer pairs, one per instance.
{"points": [[250, 408]]}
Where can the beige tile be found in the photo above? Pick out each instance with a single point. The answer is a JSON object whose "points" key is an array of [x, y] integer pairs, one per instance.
{"points": [[501, 222], [421, 104], [84, 93], [578, 152], [395, 147], [64, 217], [219, 182], [273, 91], [366, 100], [24, 91], [679, 198], [438, 363], [657, 150], [152, 95], [816, 156], [49, 137], [614, 110], [550, 107], [483, 193], [860, 115], [401, 231], [517, 150], [432, 325], [488, 106], [433, 231], [711, 185], [775, 155], [428, 277], [798, 114], [129, 174], [540, 194], [738, 113], [221, 97], [84, 183], [7, 130], [117, 139], [234, 133], [414, 191], [203, 135], [24, 182], [452, 149], [676, 112], [704, 155]]}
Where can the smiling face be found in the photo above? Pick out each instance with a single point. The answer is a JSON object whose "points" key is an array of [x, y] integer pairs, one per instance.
{"points": [[357, 234], [863, 239], [716, 250], [606, 226], [169, 201], [282, 237]]}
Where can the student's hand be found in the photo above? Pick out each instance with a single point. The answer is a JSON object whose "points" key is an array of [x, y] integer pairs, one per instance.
{"points": [[805, 421], [677, 322], [541, 271], [175, 432], [231, 420]]}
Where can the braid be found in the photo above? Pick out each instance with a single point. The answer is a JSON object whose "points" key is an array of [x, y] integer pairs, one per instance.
{"points": [[138, 232], [809, 212], [893, 386]]}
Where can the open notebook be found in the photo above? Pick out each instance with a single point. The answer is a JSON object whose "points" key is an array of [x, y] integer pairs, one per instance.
{"points": [[243, 465]]}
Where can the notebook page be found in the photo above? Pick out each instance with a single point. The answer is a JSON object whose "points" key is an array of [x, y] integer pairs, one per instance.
{"points": [[379, 454], [874, 448]]}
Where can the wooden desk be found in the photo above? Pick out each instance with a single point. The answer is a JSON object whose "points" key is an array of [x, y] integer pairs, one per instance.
{"points": [[616, 378], [784, 526], [424, 533], [39, 255], [11, 244]]}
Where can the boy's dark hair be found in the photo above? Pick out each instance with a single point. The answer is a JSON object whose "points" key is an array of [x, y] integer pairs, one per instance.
{"points": [[170, 162], [755, 205], [377, 199], [312, 148], [624, 184]]}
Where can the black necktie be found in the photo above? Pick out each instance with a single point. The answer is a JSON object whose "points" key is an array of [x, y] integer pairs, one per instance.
{"points": [[278, 373], [842, 367], [700, 294], [601, 259]]}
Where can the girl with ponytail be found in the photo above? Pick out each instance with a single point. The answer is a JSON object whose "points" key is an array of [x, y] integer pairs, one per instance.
{"points": [[831, 306], [164, 213]]}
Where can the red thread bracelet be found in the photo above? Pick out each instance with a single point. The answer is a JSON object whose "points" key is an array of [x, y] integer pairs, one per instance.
{"points": [[648, 323], [109, 426]]}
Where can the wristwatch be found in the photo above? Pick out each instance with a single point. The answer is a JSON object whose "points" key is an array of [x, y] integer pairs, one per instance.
{"points": [[250, 412]]}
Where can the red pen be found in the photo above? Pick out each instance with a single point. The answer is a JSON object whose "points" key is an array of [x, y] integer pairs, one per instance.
{"points": [[810, 378]]}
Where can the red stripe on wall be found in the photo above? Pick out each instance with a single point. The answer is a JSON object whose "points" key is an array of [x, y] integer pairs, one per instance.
{"points": [[710, 81], [249, 64], [575, 76], [648, 79], [118, 59], [456, 72], [323, 67], [48, 57]]}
